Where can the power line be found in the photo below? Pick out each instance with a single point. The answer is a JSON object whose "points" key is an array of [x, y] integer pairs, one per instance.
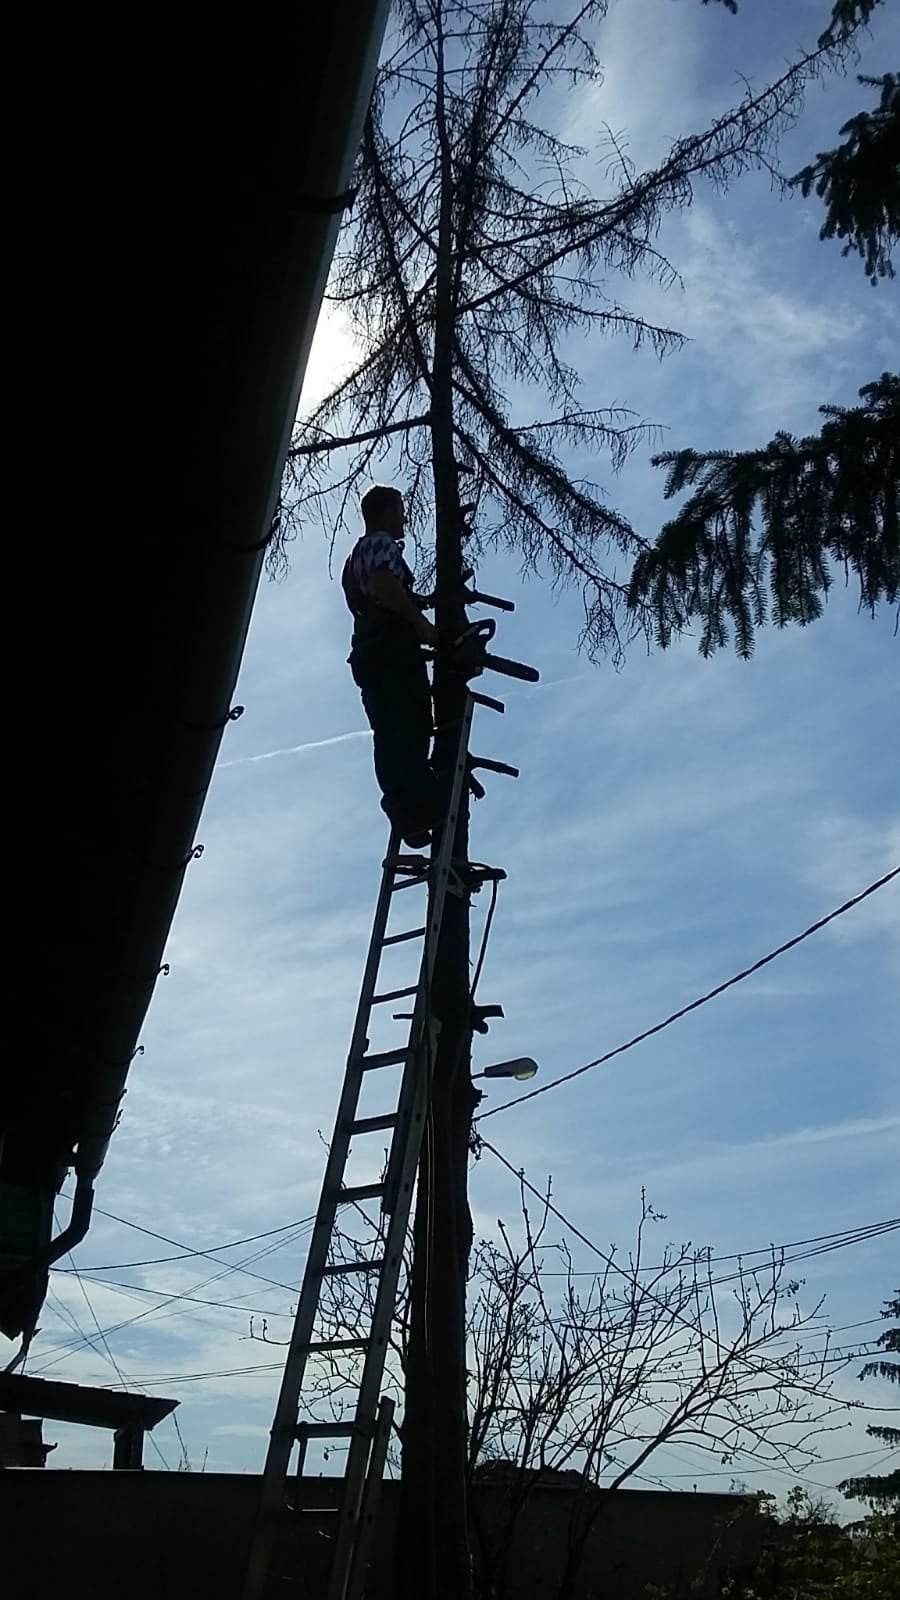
{"points": [[133, 1289], [681, 1375], [858, 1236], [726, 1472], [110, 1357], [276, 1366], [303, 1222], [169, 1378], [736, 1450], [614, 1266], [222, 1305], [66, 1347], [675, 1016], [188, 1252], [810, 1255], [864, 1230], [839, 1239]]}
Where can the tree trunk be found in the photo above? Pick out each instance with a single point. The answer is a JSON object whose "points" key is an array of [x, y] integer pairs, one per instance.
{"points": [[434, 1561]]}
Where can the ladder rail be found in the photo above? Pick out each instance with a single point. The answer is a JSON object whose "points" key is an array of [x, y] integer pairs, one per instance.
{"points": [[415, 1093], [282, 1434], [405, 1147], [437, 896], [370, 1499]]}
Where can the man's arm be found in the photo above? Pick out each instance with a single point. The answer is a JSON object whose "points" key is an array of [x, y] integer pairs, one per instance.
{"points": [[390, 593]]}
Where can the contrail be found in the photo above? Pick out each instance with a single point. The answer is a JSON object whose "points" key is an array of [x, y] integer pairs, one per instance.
{"points": [[341, 738], [554, 683], [296, 749]]}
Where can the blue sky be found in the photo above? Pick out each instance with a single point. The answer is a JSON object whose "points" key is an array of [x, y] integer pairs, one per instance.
{"points": [[673, 822]]}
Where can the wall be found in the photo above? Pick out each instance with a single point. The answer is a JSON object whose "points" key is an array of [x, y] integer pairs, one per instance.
{"points": [[164, 1536]]}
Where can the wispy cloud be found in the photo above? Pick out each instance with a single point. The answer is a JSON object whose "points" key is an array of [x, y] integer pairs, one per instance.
{"points": [[673, 822], [853, 1128]]}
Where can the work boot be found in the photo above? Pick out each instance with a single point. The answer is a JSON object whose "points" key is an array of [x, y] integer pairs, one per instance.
{"points": [[416, 838]]}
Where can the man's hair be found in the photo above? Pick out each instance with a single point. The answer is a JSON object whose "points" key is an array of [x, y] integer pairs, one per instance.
{"points": [[377, 501]]}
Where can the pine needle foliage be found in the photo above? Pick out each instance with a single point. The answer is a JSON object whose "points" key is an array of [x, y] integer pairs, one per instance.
{"points": [[882, 1491], [764, 531], [860, 181]]}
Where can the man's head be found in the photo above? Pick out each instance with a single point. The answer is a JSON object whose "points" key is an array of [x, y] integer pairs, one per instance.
{"points": [[383, 511]]}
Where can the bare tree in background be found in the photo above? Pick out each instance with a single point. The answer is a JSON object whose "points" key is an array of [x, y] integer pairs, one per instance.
{"points": [[480, 242], [595, 1380], [592, 1375]]}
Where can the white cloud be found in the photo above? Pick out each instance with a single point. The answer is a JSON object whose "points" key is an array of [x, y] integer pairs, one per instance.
{"points": [[332, 356], [778, 334], [848, 852], [671, 823]]}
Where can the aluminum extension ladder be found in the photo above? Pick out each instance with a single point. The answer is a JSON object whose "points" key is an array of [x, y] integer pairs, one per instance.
{"points": [[369, 1432]]}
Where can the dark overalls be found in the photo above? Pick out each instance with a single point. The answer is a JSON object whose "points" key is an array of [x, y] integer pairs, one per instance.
{"points": [[388, 666]]}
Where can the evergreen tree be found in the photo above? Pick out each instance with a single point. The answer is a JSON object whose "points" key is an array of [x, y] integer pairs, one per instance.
{"points": [[762, 531], [759, 534], [859, 181], [884, 1490]]}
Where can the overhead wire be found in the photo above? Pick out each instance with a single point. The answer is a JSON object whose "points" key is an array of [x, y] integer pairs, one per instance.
{"points": [[863, 1230], [767, 1249], [86, 1338], [836, 1239], [829, 1461], [102, 1336], [839, 1241], [738, 1450], [60, 1352], [168, 1294], [890, 1226], [694, 1005], [152, 1311], [614, 1265], [188, 1252], [131, 1290]]}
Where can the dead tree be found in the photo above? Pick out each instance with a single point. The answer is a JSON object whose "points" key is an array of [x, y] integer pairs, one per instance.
{"points": [[474, 247]]}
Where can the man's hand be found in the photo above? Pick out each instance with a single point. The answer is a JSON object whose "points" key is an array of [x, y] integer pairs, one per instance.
{"points": [[390, 593]]}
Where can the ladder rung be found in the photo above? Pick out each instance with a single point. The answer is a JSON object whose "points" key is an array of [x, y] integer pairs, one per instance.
{"points": [[362, 1191], [331, 1430], [290, 1516], [374, 1124], [415, 863], [399, 938], [342, 1267], [394, 994], [320, 1346], [479, 762], [410, 883], [387, 1058], [487, 700]]}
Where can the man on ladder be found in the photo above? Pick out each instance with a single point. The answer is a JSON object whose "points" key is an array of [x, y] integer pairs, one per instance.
{"points": [[388, 667]]}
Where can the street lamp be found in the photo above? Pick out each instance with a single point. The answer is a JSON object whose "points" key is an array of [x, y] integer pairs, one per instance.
{"points": [[523, 1068]]}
